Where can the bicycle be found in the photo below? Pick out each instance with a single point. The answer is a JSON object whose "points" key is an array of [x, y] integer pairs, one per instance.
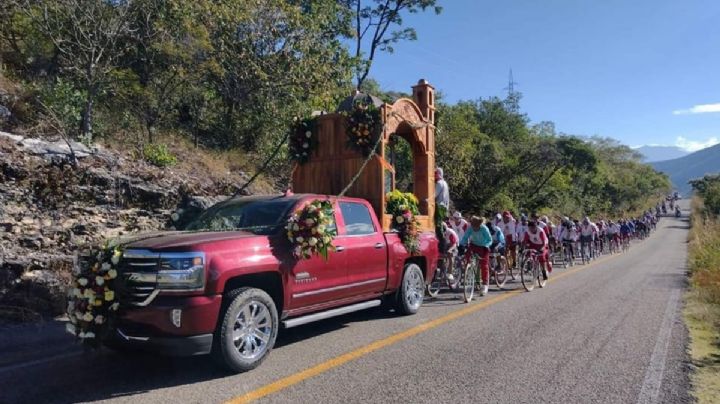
{"points": [[625, 242], [568, 253], [530, 271], [469, 275], [586, 251], [448, 264], [498, 269]]}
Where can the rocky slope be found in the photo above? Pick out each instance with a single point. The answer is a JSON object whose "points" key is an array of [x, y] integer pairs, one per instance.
{"points": [[50, 208]]}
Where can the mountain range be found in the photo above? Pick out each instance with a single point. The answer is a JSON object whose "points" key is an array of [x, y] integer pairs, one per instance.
{"points": [[694, 165], [652, 154]]}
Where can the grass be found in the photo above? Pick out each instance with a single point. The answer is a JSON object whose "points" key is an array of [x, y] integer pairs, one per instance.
{"points": [[702, 311]]}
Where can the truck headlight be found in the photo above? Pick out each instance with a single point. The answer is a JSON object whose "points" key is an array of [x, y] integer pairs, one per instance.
{"points": [[181, 272]]}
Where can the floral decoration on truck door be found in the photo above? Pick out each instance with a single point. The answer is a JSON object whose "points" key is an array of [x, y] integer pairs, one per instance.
{"points": [[363, 127], [311, 230], [303, 140], [92, 301], [403, 206]]}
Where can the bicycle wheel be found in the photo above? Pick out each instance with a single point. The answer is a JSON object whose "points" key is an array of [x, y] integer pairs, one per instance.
{"points": [[433, 288], [500, 272], [456, 271], [468, 283], [528, 274], [541, 275]]}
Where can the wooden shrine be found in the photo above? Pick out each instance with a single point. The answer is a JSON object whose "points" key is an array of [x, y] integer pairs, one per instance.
{"points": [[333, 164]]}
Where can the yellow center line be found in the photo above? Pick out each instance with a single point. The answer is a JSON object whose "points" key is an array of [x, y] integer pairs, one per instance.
{"points": [[392, 339]]}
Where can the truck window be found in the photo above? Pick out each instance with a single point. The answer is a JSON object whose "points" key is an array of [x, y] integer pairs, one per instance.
{"points": [[357, 219]]}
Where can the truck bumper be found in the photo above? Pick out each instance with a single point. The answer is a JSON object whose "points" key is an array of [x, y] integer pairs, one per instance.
{"points": [[172, 346], [170, 325]]}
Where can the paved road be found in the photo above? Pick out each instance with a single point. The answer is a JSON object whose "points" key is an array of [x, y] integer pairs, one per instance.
{"points": [[609, 332]]}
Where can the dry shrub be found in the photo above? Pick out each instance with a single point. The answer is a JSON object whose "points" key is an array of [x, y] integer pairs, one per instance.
{"points": [[705, 254]]}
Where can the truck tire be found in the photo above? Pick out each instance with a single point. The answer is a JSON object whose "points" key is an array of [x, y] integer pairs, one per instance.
{"points": [[247, 330], [409, 296]]}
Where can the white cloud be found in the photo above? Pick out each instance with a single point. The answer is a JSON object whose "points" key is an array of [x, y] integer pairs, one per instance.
{"points": [[699, 109], [695, 145]]}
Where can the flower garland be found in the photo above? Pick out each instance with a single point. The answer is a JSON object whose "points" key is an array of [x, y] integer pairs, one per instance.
{"points": [[311, 230], [303, 140], [404, 210], [92, 303], [364, 127]]}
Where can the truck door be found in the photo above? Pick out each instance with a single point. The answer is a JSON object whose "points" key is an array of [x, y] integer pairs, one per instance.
{"points": [[316, 281], [364, 248]]}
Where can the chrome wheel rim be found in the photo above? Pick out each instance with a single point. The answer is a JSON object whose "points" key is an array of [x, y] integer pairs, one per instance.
{"points": [[414, 288], [252, 330]]}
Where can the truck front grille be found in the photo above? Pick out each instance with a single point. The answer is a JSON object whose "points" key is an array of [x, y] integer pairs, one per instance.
{"points": [[138, 271]]}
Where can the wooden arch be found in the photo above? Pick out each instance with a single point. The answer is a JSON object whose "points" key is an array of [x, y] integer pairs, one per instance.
{"points": [[333, 165]]}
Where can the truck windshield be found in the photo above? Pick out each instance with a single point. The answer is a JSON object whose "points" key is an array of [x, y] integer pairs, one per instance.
{"points": [[259, 216]]}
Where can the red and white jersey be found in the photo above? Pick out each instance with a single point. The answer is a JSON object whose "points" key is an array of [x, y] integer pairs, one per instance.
{"points": [[536, 240], [542, 225], [509, 228], [459, 228], [588, 229], [451, 238]]}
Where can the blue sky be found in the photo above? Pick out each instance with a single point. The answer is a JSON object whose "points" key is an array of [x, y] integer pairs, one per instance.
{"points": [[640, 71]]}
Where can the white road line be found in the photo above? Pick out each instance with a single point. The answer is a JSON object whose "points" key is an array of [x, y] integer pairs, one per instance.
{"points": [[654, 373], [11, 368]]}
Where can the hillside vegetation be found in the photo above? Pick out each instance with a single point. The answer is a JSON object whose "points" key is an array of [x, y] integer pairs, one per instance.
{"points": [[694, 165], [703, 308], [201, 92]]}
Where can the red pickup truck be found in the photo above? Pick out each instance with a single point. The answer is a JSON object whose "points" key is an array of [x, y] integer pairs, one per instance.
{"points": [[228, 293]]}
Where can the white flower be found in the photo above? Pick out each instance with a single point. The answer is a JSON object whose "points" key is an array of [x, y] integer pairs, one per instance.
{"points": [[180, 211], [89, 334], [112, 274], [77, 292], [400, 219], [99, 320], [82, 281], [69, 327], [175, 217], [321, 228], [296, 227], [308, 134], [115, 306], [115, 259], [89, 294], [313, 241], [71, 307], [81, 335], [109, 296], [305, 145], [79, 315], [105, 266], [300, 239], [304, 154], [99, 280], [309, 222], [88, 317]]}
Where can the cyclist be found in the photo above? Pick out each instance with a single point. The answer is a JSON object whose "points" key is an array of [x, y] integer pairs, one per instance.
{"points": [[478, 240], [588, 232], [613, 234], [536, 239], [452, 241], [509, 229], [569, 235], [459, 225], [498, 243], [625, 230]]}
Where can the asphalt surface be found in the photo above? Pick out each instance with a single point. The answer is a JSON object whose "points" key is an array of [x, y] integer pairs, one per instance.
{"points": [[609, 332]]}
